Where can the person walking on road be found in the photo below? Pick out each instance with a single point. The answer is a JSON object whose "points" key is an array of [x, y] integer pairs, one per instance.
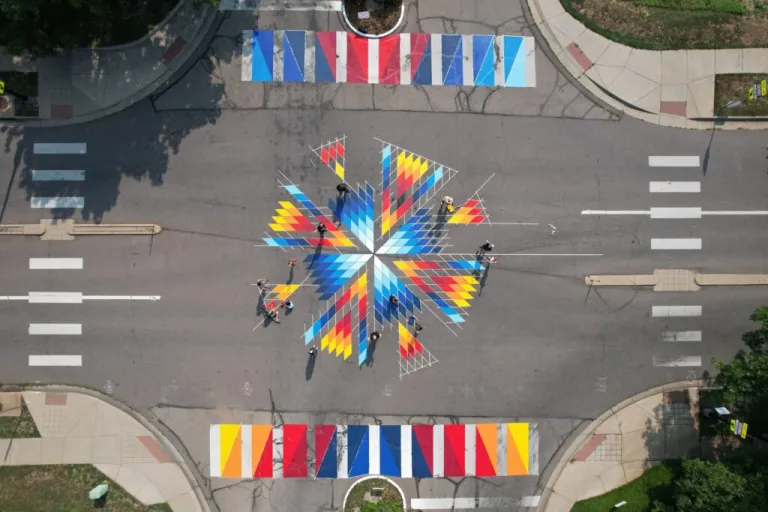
{"points": [[321, 229], [342, 189], [486, 247], [313, 352], [394, 301]]}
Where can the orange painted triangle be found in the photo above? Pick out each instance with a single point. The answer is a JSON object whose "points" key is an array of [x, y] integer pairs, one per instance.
{"points": [[515, 464], [261, 446], [233, 468]]}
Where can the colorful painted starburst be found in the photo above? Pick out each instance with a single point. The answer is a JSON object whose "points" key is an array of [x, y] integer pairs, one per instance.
{"points": [[412, 233]]}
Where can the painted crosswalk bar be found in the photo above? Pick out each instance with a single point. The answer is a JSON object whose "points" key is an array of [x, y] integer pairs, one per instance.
{"points": [[349, 451], [401, 59]]}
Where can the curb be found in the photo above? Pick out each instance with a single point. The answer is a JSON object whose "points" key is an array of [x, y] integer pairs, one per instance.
{"points": [[177, 64], [575, 440], [389, 32], [148, 423], [543, 43], [616, 103]]}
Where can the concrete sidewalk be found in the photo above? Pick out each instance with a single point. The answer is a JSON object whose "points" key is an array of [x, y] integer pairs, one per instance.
{"points": [[82, 85], [670, 88], [79, 428], [616, 448]]}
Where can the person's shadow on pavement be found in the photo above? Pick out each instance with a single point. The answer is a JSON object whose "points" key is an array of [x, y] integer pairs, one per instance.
{"points": [[310, 368]]}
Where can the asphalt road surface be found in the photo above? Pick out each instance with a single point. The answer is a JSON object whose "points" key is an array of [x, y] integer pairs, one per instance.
{"points": [[538, 341], [203, 160]]}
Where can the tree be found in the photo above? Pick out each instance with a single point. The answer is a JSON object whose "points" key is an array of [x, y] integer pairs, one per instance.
{"points": [[745, 378], [707, 486], [41, 27]]}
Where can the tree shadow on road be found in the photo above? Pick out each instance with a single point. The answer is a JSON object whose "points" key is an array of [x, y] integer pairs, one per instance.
{"points": [[136, 143]]}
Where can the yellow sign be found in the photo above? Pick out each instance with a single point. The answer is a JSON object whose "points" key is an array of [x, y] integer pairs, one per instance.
{"points": [[2, 87], [763, 87], [751, 93], [739, 428]]}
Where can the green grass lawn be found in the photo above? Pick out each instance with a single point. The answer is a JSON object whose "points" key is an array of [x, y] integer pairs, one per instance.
{"points": [[639, 494], [18, 426], [62, 489]]}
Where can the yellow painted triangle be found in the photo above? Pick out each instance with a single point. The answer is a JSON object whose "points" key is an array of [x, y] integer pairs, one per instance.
{"points": [[347, 348], [339, 170], [230, 448], [517, 449], [424, 167], [324, 342]]}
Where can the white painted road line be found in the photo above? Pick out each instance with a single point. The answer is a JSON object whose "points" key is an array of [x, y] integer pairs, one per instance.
{"points": [[675, 213], [675, 187], [675, 362], [60, 148], [58, 175], [737, 212], [55, 298], [680, 336], [57, 202], [650, 212], [73, 297], [55, 263], [673, 161], [675, 244], [55, 329], [121, 297], [667, 311], [474, 503], [55, 360]]}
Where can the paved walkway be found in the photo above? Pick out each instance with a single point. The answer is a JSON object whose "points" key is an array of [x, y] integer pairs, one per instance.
{"points": [[79, 428], [83, 85], [620, 445], [671, 88]]}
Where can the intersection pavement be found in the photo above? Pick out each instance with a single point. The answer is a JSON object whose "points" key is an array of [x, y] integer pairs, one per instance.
{"points": [[203, 160]]}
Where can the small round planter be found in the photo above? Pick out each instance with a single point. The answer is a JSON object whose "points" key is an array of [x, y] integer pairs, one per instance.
{"points": [[391, 491], [352, 23]]}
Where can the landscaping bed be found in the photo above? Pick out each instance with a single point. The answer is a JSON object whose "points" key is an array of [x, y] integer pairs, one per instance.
{"points": [[63, 489], [383, 15], [15, 427], [23, 88], [389, 501], [654, 484], [732, 88], [676, 24]]}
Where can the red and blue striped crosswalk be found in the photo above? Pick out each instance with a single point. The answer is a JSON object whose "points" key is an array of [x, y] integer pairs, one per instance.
{"points": [[348, 451], [401, 59]]}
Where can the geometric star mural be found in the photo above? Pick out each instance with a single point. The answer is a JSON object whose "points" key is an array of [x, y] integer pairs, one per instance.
{"points": [[411, 226]]}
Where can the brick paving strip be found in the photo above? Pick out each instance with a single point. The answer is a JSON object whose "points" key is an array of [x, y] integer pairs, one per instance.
{"points": [[79, 427], [619, 446]]}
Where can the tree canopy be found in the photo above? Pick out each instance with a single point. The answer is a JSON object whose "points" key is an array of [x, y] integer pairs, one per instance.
{"points": [[745, 377], [40, 27]]}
